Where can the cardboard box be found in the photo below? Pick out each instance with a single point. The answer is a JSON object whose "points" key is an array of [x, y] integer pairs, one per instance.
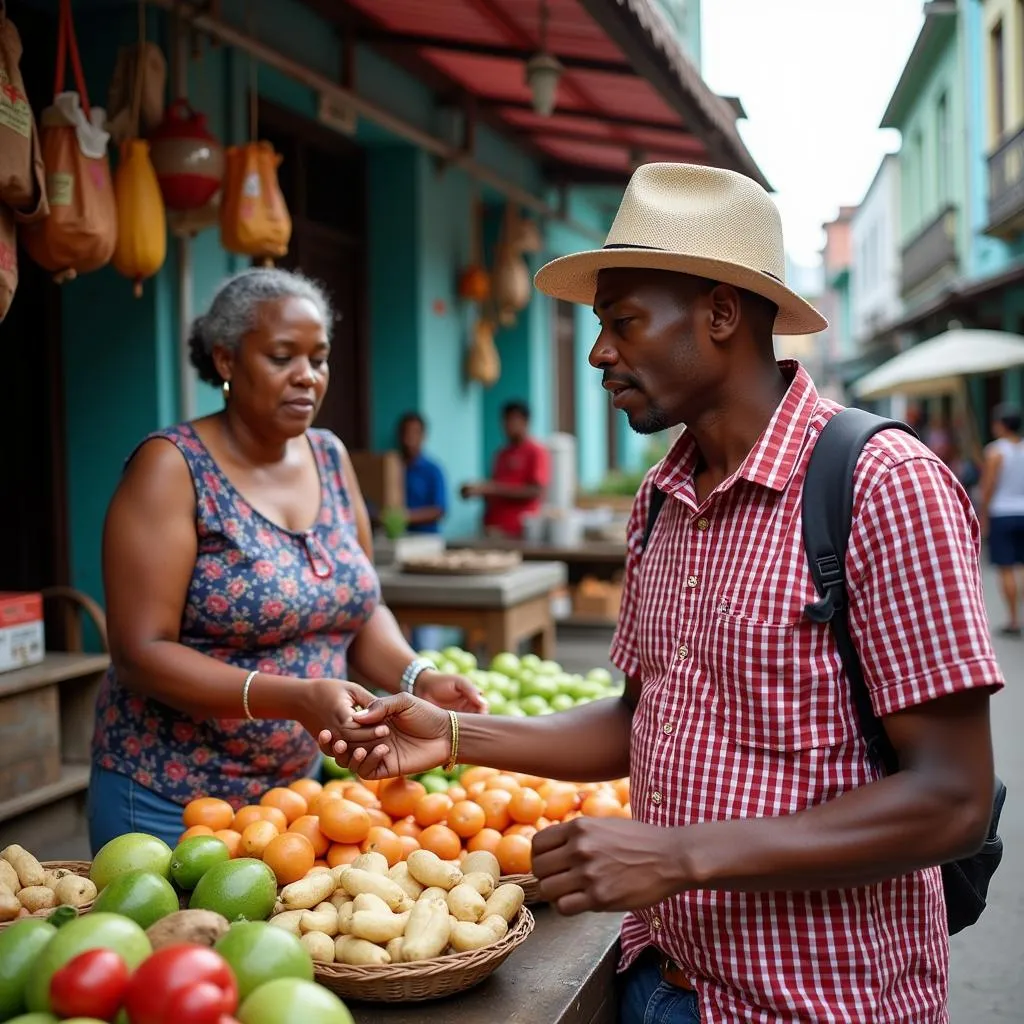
{"points": [[597, 599], [29, 740], [381, 477], [21, 630]]}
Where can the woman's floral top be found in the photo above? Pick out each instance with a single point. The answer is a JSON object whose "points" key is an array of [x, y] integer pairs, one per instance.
{"points": [[261, 597]]}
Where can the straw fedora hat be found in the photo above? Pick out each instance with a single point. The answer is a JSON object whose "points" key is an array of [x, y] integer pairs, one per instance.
{"points": [[702, 221]]}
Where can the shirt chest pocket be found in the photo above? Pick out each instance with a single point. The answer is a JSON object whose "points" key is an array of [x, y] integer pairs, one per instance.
{"points": [[776, 685]]}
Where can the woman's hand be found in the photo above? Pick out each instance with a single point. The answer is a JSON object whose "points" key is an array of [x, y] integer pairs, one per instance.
{"points": [[418, 738], [328, 705], [453, 692]]}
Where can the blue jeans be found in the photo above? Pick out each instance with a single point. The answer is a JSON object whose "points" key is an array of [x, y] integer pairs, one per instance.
{"points": [[646, 999], [117, 805]]}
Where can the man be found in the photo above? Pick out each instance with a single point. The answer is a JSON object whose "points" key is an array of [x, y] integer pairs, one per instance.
{"points": [[771, 874], [426, 501], [1002, 507], [522, 471]]}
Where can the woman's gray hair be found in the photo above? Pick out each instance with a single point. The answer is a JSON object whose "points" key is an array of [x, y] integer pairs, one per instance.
{"points": [[233, 312]]}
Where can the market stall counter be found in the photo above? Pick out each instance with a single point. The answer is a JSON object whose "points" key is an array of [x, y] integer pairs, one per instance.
{"points": [[564, 974]]}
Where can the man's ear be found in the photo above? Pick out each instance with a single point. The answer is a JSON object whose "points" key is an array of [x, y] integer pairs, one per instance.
{"points": [[725, 312]]}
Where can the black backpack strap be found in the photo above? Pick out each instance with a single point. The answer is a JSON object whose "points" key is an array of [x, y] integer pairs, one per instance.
{"points": [[657, 499], [827, 518]]}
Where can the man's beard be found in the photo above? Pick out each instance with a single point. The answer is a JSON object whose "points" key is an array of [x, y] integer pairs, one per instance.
{"points": [[653, 421]]}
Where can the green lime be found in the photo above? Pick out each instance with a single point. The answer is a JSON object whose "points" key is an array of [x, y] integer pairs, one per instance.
{"points": [[333, 770], [258, 952], [134, 851], [435, 783], [34, 1018], [140, 895], [194, 857], [291, 1001], [240, 890], [19, 946]]}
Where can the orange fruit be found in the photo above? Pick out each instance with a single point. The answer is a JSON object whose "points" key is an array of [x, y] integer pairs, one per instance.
{"points": [[471, 775], [209, 811], [359, 794], [231, 839], [530, 781], [502, 782], [337, 785], [466, 818], [378, 817], [407, 827], [308, 789], [621, 787], [542, 823], [256, 838], [627, 811], [247, 815], [457, 793], [195, 830], [474, 789], [432, 808], [318, 863], [515, 855], [289, 856], [400, 798], [440, 839], [410, 844], [342, 821], [526, 806], [342, 853], [573, 814], [559, 801], [309, 826], [601, 805], [286, 800], [521, 830], [495, 807], [486, 839], [383, 840]]}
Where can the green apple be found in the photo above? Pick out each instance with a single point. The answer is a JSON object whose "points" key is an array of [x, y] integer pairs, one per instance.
{"points": [[434, 656], [507, 664], [600, 675], [534, 704], [562, 702], [549, 668], [540, 686], [530, 661], [584, 700], [515, 711], [465, 661], [496, 703], [448, 668]]}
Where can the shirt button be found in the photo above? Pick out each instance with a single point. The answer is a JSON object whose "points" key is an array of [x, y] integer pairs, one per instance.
{"points": [[702, 524], [655, 797], [668, 728], [656, 924], [691, 581], [683, 652]]}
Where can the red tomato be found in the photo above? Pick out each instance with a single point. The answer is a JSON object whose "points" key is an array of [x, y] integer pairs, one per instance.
{"points": [[91, 985], [182, 983]]}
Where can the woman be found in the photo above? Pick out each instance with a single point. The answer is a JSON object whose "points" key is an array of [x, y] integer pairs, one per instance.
{"points": [[239, 584], [1002, 507]]}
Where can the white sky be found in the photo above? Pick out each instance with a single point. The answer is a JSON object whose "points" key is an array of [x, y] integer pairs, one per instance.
{"points": [[815, 77]]}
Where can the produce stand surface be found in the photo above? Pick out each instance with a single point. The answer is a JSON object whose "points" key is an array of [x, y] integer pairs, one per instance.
{"points": [[563, 974]]}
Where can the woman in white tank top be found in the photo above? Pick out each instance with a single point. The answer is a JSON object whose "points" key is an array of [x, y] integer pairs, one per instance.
{"points": [[1002, 507]]}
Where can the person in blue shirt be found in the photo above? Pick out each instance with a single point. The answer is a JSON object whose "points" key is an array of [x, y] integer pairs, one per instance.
{"points": [[426, 499]]}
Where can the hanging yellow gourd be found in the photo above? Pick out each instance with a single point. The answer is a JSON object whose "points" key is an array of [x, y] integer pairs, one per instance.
{"points": [[483, 363], [141, 220], [511, 276]]}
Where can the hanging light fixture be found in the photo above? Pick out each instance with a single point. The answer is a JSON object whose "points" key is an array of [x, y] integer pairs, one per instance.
{"points": [[543, 71]]}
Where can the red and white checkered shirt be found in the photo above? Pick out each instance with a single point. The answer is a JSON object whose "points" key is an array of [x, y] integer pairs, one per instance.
{"points": [[745, 711]]}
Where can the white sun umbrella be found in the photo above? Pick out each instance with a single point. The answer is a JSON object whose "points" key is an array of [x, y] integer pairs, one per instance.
{"points": [[939, 365]]}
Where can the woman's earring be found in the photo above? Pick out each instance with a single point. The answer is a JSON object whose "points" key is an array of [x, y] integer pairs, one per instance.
{"points": [[226, 389]]}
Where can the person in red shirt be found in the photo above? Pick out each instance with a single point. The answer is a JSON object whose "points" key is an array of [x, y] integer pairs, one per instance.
{"points": [[521, 473]]}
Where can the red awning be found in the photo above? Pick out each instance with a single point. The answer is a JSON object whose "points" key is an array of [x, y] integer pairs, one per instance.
{"points": [[608, 118]]}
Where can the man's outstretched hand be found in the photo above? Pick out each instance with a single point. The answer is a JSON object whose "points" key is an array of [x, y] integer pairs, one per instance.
{"points": [[418, 738]]}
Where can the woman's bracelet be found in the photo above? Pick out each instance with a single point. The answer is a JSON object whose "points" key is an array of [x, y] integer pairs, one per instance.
{"points": [[245, 694], [453, 760], [413, 671]]}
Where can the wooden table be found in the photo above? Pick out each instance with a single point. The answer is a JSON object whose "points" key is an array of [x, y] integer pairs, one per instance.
{"points": [[497, 612], [563, 974], [596, 553]]}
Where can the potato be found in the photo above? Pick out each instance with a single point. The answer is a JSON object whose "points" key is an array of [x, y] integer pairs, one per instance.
{"points": [[10, 905], [291, 921], [30, 871], [375, 863], [319, 946], [9, 877], [308, 892], [427, 932], [359, 952], [466, 936], [323, 919], [51, 876], [428, 869], [198, 927], [367, 901], [37, 897], [356, 881], [465, 903], [339, 899], [434, 893], [481, 881], [345, 918], [74, 891], [394, 949], [379, 928], [399, 874], [484, 861], [506, 901]]}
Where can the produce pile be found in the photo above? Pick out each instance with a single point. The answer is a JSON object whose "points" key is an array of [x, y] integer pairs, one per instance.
{"points": [[26, 887]]}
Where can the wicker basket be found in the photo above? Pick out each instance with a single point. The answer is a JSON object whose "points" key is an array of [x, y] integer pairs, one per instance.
{"points": [[530, 885], [78, 867], [425, 979]]}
